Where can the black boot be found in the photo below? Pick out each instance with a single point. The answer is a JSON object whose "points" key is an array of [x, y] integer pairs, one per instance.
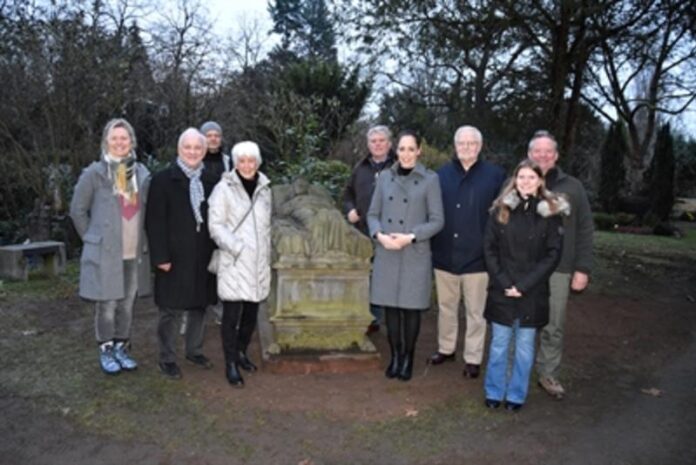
{"points": [[406, 368], [246, 364], [392, 370], [234, 377]]}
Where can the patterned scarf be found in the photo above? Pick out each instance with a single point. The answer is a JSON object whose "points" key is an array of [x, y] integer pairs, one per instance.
{"points": [[196, 194], [122, 174]]}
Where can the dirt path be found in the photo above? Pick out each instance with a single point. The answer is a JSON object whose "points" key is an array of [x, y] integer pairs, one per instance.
{"points": [[59, 409]]}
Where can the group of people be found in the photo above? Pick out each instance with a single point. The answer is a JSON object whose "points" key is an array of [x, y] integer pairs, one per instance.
{"points": [[204, 225], [511, 250]]}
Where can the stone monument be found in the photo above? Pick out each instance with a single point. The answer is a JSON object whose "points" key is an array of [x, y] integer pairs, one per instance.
{"points": [[319, 302]]}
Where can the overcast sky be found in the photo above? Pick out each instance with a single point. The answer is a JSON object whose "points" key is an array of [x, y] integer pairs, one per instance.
{"points": [[227, 13]]}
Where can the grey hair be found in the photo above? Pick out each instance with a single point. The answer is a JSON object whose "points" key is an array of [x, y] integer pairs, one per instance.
{"points": [[542, 133], [471, 129], [192, 132], [379, 129], [118, 123], [246, 148]]}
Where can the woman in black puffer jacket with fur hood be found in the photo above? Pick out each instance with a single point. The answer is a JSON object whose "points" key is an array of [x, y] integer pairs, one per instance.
{"points": [[522, 247]]}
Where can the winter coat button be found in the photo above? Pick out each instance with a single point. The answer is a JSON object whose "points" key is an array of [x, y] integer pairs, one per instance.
{"points": [[405, 200], [391, 198], [389, 220], [401, 221], [456, 235], [459, 206]]}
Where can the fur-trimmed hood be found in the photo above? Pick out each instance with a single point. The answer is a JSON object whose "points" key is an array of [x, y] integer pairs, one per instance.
{"points": [[513, 200]]}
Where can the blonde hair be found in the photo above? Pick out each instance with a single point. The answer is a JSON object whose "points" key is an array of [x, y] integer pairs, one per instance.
{"points": [[118, 123]]}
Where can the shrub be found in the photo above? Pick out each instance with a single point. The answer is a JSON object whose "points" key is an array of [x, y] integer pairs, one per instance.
{"points": [[333, 175], [613, 221]]}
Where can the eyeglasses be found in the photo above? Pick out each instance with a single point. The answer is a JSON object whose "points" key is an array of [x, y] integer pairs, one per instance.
{"points": [[468, 143]]}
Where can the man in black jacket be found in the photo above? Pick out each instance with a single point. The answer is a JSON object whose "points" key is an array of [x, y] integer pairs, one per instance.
{"points": [[469, 186], [358, 193], [180, 250], [576, 258]]}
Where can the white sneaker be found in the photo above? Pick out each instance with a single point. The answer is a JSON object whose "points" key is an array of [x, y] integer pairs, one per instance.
{"points": [[552, 387]]}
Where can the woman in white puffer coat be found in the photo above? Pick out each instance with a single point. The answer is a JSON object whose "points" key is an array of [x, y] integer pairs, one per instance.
{"points": [[239, 220]]}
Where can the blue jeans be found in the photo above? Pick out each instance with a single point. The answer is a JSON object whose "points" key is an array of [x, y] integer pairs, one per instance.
{"points": [[497, 385]]}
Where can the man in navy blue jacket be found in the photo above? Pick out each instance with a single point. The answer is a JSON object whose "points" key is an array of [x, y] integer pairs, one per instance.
{"points": [[469, 186]]}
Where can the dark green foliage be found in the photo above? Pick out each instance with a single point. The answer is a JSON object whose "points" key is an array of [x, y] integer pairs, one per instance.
{"points": [[611, 221], [336, 94], [685, 160], [305, 27], [612, 170], [332, 175], [661, 183]]}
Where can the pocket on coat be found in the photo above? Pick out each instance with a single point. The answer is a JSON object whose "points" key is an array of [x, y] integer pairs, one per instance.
{"points": [[90, 265], [91, 249]]}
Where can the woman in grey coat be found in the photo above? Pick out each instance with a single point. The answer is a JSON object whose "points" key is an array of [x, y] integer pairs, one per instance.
{"points": [[406, 211], [108, 209]]}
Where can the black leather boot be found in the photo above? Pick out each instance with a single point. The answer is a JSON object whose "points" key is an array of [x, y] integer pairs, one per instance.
{"points": [[406, 368], [234, 377], [246, 364], [392, 370]]}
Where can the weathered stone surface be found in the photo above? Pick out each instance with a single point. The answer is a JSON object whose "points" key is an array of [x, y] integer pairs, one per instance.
{"points": [[15, 259], [309, 231], [320, 295]]}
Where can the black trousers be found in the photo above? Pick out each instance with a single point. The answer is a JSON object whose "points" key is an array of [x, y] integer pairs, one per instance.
{"points": [[168, 327], [238, 324], [403, 327]]}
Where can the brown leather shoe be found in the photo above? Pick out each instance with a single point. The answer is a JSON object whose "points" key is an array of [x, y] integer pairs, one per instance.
{"points": [[471, 371], [438, 358]]}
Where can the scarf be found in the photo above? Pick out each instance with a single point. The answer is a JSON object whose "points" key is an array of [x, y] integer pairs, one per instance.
{"points": [[196, 194], [121, 172]]}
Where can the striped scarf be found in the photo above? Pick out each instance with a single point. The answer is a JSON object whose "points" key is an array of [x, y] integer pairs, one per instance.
{"points": [[121, 172], [196, 194]]}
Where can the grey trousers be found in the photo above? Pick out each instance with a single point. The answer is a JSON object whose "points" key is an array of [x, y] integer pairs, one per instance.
{"points": [[167, 330], [113, 318], [548, 361]]}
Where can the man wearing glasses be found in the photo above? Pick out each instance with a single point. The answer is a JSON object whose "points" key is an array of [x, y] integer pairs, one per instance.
{"points": [[469, 186]]}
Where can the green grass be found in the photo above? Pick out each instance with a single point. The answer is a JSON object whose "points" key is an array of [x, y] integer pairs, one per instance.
{"points": [[654, 246], [42, 287]]}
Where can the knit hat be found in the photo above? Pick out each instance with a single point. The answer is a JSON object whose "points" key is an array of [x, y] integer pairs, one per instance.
{"points": [[210, 126]]}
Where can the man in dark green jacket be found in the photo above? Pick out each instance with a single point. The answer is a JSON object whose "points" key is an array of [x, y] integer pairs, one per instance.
{"points": [[576, 260]]}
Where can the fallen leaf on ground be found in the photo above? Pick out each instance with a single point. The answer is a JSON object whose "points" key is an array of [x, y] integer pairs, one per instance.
{"points": [[411, 412], [652, 392], [305, 462]]}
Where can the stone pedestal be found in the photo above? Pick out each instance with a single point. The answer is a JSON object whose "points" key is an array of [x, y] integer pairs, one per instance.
{"points": [[320, 309]]}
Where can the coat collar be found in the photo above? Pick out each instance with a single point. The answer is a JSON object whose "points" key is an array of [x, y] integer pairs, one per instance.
{"points": [[232, 179], [177, 174], [390, 160], [141, 172], [512, 200], [460, 169], [419, 169]]}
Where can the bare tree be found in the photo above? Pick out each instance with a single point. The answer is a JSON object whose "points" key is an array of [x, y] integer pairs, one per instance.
{"points": [[181, 45], [647, 72]]}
